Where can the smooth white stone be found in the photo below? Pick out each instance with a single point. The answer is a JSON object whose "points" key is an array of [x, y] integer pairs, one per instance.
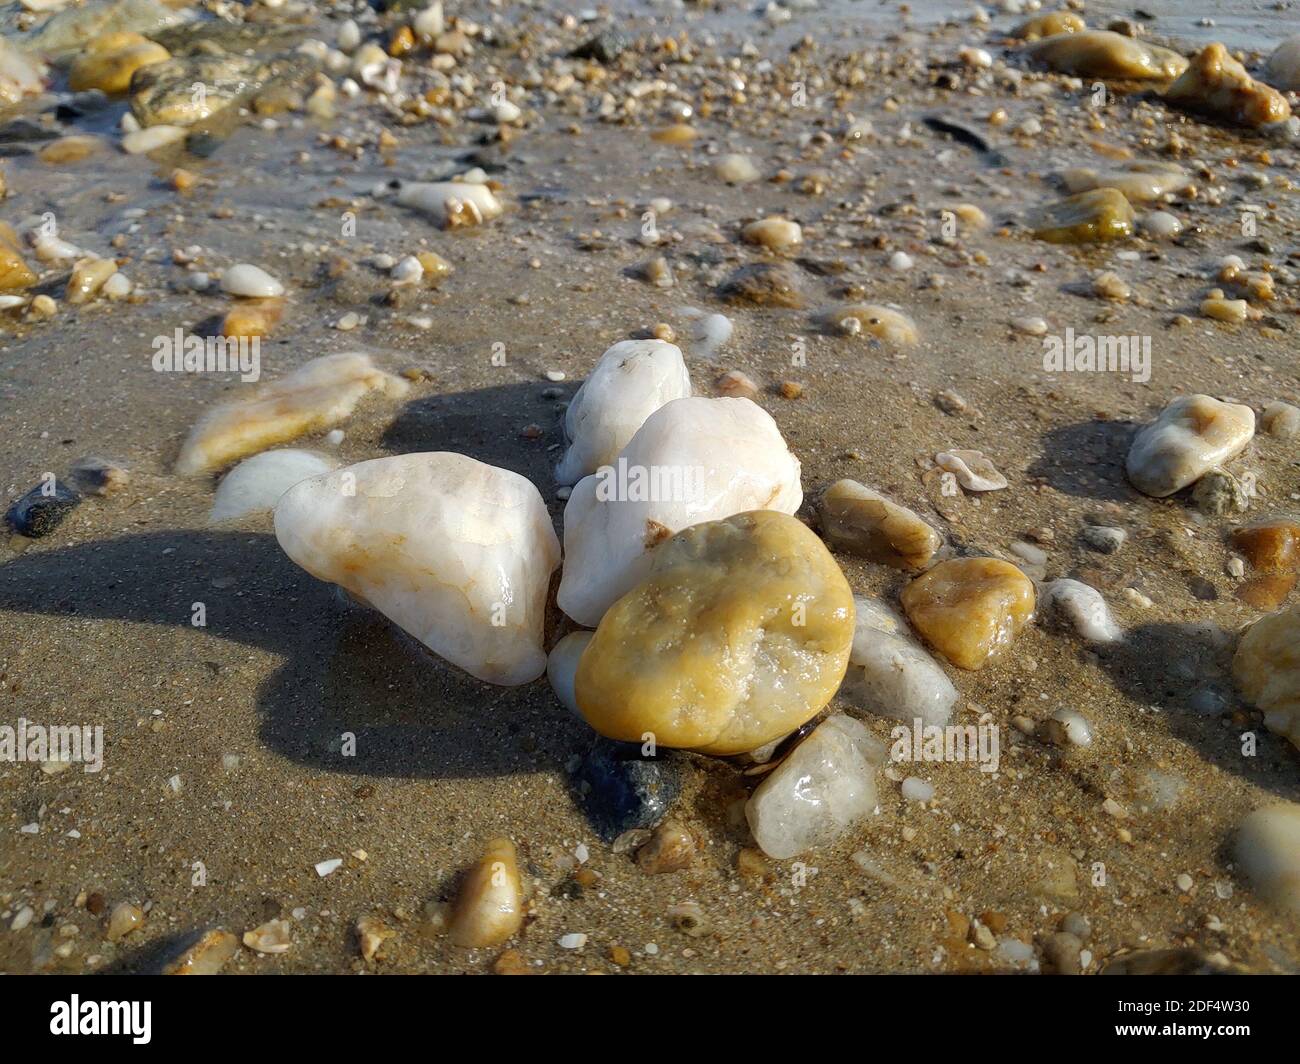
{"points": [[450, 203], [890, 673], [1268, 851], [456, 552], [250, 281], [1192, 435], [1085, 608], [973, 470], [258, 482], [562, 668], [143, 141], [632, 380], [917, 790], [825, 786], [709, 332], [718, 456], [1283, 69]]}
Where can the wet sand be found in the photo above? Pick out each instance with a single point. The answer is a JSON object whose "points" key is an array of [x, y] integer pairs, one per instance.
{"points": [[95, 619]]}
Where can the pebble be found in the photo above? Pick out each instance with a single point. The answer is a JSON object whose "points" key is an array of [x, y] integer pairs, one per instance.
{"points": [[144, 141], [917, 790], [736, 385], [885, 324], [737, 169], [257, 483], [212, 952], [737, 461], [1161, 225], [890, 674], [452, 204], [669, 849], [479, 549], [764, 284], [621, 791], [1218, 492], [1030, 326], [969, 609], [1192, 435], [88, 277], [250, 282], [1103, 538], [709, 332], [272, 937], [1281, 420], [574, 940], [125, 918], [1085, 608], [973, 470], [1215, 84], [489, 909], [1088, 217], [108, 61], [562, 668], [631, 380], [773, 233], [823, 788], [1066, 727], [408, 270], [748, 616], [1283, 67], [41, 509], [856, 519], [1267, 848], [1103, 54], [312, 398], [1267, 670]]}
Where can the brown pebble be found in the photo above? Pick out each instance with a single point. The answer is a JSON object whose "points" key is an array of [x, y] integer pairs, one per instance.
{"points": [[669, 849], [737, 385], [620, 956], [511, 962], [791, 389]]}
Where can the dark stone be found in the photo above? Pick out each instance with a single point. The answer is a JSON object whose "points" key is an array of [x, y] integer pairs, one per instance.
{"points": [[619, 790], [605, 47], [39, 513], [763, 284], [204, 145]]}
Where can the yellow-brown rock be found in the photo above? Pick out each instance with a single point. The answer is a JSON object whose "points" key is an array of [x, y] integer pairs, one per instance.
{"points": [[108, 61], [1267, 670], [490, 906], [15, 274], [739, 634], [1103, 54], [969, 609], [1097, 215], [1217, 85], [861, 521], [1049, 24]]}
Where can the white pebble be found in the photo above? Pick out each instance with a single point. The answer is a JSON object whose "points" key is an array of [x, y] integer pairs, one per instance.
{"points": [[250, 281]]}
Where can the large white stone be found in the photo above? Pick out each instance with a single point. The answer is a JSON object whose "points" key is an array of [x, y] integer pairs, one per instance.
{"points": [[456, 552], [1268, 851], [890, 673], [1191, 436], [632, 380], [825, 786], [258, 482], [693, 460]]}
